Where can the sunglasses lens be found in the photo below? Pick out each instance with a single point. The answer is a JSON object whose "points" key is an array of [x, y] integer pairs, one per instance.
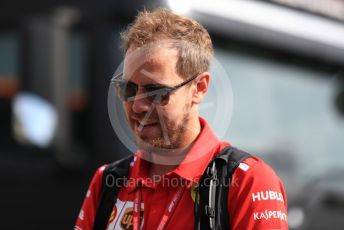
{"points": [[125, 90], [129, 90], [161, 98], [119, 90]]}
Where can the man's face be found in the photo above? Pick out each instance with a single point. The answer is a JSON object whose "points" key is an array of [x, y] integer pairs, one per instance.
{"points": [[157, 126]]}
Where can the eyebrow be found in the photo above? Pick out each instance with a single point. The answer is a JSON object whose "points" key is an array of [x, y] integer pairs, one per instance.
{"points": [[146, 73], [150, 76], [157, 85]]}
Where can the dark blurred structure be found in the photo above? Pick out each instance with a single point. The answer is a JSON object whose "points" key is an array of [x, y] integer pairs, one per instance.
{"points": [[65, 52], [288, 81], [324, 208]]}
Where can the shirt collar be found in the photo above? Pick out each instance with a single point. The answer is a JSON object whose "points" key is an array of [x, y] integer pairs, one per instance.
{"points": [[206, 146]]}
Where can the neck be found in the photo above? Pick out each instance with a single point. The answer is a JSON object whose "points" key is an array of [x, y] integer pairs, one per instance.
{"points": [[165, 162]]}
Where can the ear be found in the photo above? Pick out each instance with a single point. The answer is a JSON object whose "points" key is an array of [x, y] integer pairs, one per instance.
{"points": [[201, 87]]}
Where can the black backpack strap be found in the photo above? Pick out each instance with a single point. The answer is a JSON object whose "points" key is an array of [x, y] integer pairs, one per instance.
{"points": [[233, 157], [114, 175], [211, 206]]}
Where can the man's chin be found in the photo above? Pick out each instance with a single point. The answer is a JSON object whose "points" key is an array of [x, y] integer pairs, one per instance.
{"points": [[151, 144]]}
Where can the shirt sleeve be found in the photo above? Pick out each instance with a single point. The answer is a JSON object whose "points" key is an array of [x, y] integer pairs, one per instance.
{"points": [[256, 198], [88, 210]]}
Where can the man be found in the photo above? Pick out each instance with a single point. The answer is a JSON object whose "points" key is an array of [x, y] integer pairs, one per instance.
{"points": [[165, 78]]}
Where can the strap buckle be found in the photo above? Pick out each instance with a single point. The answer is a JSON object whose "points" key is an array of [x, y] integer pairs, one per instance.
{"points": [[209, 211], [212, 172]]}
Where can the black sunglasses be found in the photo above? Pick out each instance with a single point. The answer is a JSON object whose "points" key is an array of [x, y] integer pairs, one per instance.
{"points": [[156, 93]]}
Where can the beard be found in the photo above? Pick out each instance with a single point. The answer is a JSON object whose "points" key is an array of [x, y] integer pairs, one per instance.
{"points": [[169, 138], [170, 135]]}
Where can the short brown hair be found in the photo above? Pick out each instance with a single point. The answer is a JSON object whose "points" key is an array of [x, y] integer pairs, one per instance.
{"points": [[195, 49]]}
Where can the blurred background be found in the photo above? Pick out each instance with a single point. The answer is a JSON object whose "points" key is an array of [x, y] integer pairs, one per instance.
{"points": [[285, 60]]}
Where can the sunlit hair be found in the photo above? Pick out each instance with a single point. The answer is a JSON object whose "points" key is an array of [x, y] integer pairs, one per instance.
{"points": [[190, 38]]}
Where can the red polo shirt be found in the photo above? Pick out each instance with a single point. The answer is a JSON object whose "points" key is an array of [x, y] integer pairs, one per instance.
{"points": [[256, 199]]}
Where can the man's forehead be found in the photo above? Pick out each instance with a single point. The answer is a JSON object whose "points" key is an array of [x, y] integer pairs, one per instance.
{"points": [[151, 65], [149, 69], [150, 54], [149, 62]]}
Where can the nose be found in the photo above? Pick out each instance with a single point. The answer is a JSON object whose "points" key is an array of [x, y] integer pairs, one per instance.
{"points": [[141, 104]]}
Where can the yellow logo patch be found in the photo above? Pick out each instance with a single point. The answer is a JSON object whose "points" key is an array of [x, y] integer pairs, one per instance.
{"points": [[193, 191], [127, 219]]}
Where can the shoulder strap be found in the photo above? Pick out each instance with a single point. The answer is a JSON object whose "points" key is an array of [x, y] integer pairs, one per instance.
{"points": [[233, 157], [114, 175], [211, 210]]}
